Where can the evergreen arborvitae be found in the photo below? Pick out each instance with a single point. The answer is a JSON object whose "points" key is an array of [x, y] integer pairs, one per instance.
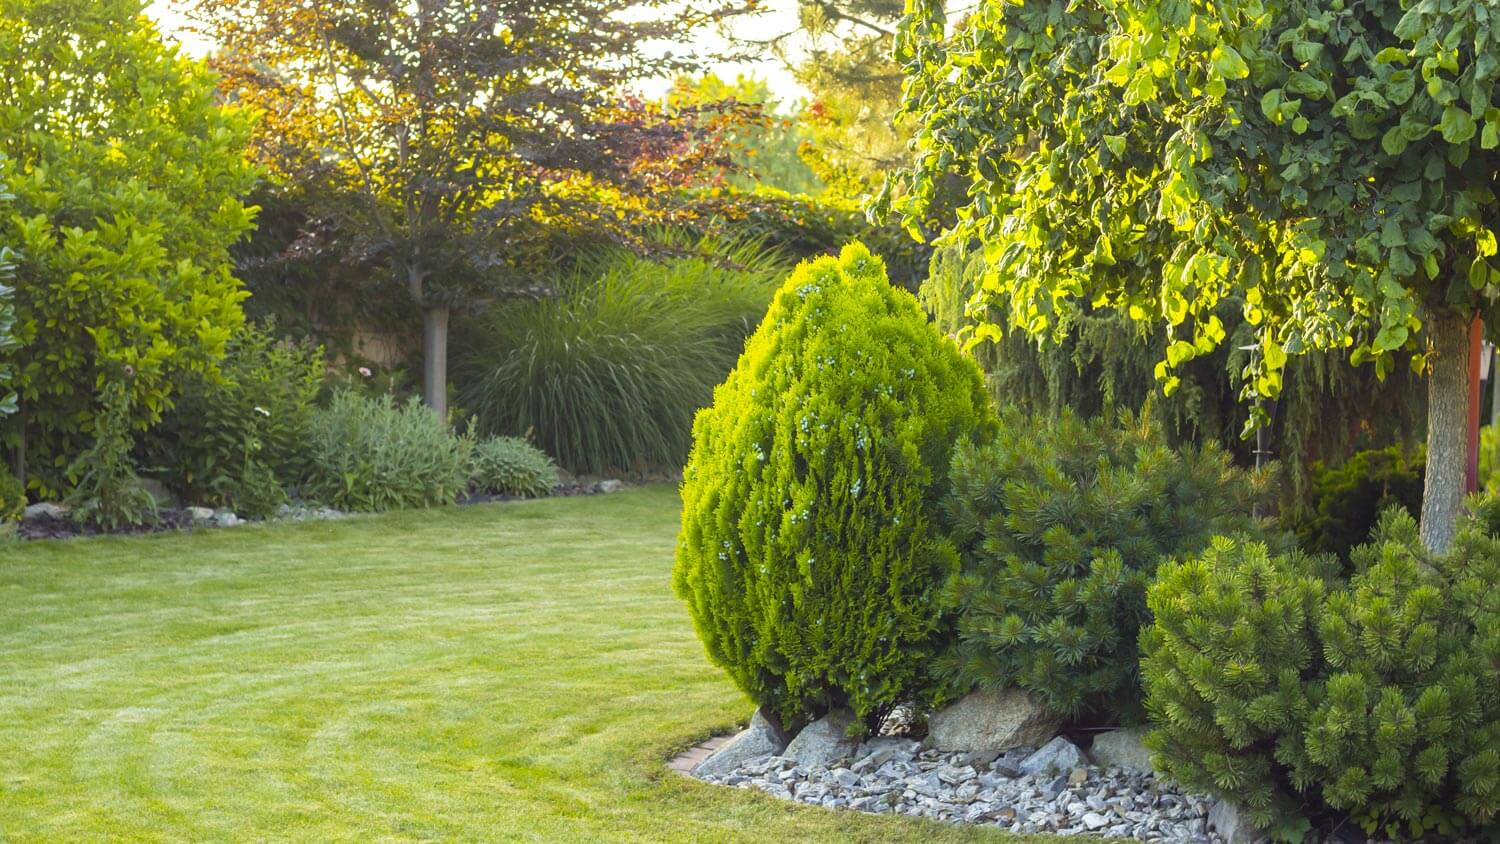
{"points": [[810, 555], [1062, 523], [1380, 700]]}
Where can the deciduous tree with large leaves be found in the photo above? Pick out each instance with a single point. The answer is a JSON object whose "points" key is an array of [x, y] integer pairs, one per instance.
{"points": [[1331, 162], [449, 137]]}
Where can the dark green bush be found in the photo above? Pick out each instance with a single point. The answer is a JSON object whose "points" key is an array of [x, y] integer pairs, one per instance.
{"points": [[1293, 693], [811, 556], [372, 454], [12, 496], [107, 494], [1347, 500], [511, 466], [1062, 524], [240, 439], [610, 371]]}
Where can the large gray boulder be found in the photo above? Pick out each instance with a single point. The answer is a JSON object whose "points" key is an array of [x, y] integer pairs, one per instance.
{"points": [[1058, 756], [46, 510], [1230, 822], [991, 720], [1122, 749], [824, 741], [764, 737]]}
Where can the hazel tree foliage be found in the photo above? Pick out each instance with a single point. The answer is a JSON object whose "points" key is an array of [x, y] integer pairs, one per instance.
{"points": [[1329, 162]]}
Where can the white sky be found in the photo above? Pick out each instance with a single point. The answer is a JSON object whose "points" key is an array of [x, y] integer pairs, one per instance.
{"points": [[780, 16]]}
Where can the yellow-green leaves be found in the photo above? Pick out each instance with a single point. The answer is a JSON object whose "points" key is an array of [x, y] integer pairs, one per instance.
{"points": [[1229, 64]]}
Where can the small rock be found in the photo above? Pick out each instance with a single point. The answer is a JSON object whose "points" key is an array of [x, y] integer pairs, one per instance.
{"points": [[1122, 749], [1094, 820], [878, 751], [1054, 757], [46, 510], [609, 485], [764, 737], [1229, 821], [1078, 776], [200, 514], [824, 741], [227, 518], [158, 492], [991, 720]]}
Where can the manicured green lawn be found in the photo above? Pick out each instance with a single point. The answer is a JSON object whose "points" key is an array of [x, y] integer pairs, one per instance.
{"points": [[500, 672]]}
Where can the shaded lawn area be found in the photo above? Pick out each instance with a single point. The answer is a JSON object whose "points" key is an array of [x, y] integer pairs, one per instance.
{"points": [[499, 672]]}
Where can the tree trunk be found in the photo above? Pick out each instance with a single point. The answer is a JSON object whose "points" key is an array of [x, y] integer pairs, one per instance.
{"points": [[1447, 429], [435, 359]]}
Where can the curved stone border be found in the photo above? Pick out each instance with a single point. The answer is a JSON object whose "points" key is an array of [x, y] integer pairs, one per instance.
{"points": [[684, 762]]}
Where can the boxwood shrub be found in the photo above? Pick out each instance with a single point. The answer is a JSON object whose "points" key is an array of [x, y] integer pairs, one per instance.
{"points": [[811, 555]]}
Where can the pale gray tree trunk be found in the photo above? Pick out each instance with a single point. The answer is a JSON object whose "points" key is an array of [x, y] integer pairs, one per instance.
{"points": [[435, 359], [1447, 430]]}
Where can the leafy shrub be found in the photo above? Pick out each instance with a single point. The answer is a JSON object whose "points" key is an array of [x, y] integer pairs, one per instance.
{"points": [[811, 556], [126, 203], [239, 438], [610, 371], [1062, 524], [8, 340], [12, 497], [511, 466], [107, 493], [1348, 499], [372, 455], [1279, 686]]}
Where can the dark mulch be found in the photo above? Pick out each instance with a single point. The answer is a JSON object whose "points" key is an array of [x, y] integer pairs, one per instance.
{"points": [[559, 491], [48, 527]]}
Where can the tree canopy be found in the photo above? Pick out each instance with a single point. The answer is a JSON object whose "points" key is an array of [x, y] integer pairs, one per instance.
{"points": [[452, 136], [1330, 162]]}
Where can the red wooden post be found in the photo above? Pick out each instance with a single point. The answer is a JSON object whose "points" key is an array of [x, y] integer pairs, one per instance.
{"points": [[1476, 344]]}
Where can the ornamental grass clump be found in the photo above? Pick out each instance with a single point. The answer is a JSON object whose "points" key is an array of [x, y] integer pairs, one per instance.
{"points": [[1303, 697], [811, 554]]}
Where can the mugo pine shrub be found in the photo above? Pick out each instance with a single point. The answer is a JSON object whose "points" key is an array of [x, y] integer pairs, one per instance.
{"points": [[1379, 698], [810, 556], [1062, 524]]}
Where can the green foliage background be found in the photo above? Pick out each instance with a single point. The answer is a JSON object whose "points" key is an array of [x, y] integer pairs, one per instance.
{"points": [[127, 174]]}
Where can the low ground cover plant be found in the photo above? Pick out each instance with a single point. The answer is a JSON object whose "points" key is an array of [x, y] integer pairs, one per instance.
{"points": [[374, 454], [1062, 523], [511, 466], [1275, 682], [812, 555]]}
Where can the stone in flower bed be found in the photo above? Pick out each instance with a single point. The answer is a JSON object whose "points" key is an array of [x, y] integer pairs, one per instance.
{"points": [[989, 720], [895, 775]]}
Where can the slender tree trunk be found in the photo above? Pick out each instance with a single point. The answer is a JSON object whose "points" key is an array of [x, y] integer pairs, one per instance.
{"points": [[1447, 429], [435, 359]]}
